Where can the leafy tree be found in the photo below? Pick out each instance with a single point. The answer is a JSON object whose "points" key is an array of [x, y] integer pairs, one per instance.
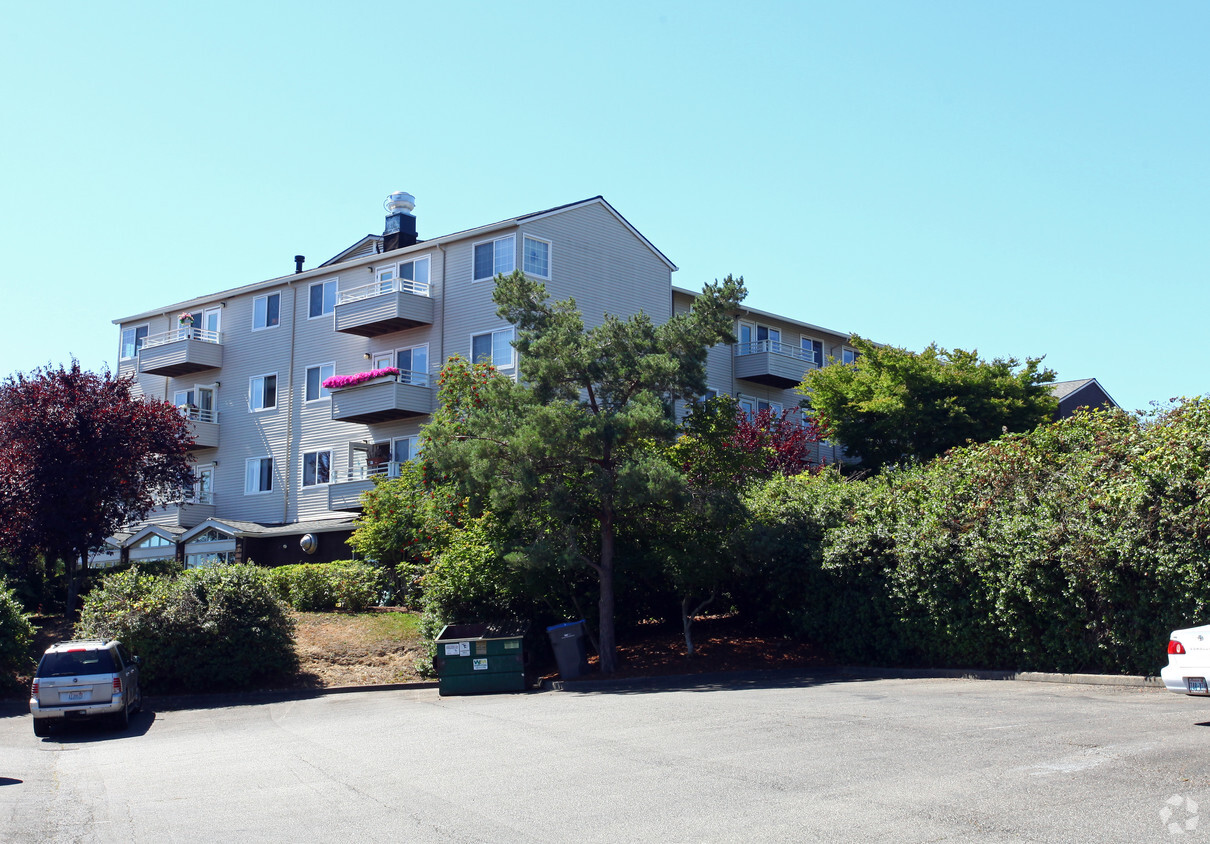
{"points": [[16, 635], [571, 452], [893, 406], [722, 453], [80, 456]]}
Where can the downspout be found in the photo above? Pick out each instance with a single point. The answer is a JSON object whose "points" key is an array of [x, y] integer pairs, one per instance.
{"points": [[285, 518], [441, 334]]}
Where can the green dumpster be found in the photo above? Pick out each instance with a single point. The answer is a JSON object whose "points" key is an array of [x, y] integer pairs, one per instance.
{"points": [[482, 657]]}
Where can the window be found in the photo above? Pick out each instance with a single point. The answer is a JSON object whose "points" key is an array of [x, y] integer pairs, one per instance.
{"points": [[812, 350], [213, 558], [768, 339], [132, 341], [535, 257], [849, 356], [258, 475], [761, 404], [211, 535], [266, 311], [203, 487], [494, 347], [316, 375], [153, 541], [747, 405], [317, 468], [495, 257], [405, 449], [323, 298], [413, 365], [262, 392]]}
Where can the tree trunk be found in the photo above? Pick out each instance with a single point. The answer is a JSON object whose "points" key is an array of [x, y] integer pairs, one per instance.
{"points": [[69, 561], [605, 604], [686, 622]]}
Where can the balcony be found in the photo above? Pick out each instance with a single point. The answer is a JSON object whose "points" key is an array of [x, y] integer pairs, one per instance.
{"points": [[188, 513], [772, 363], [181, 351], [345, 495], [383, 307], [203, 424], [384, 399]]}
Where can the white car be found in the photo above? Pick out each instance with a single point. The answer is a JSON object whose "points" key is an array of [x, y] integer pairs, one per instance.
{"points": [[85, 679], [1188, 661]]}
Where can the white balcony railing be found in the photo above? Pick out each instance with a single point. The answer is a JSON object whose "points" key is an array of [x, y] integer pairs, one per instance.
{"points": [[183, 333], [387, 469], [197, 414], [776, 347], [380, 288]]}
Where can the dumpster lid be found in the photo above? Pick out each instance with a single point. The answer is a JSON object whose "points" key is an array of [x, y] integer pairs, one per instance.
{"points": [[483, 630], [566, 624]]}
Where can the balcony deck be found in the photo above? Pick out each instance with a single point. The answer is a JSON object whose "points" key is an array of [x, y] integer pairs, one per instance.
{"points": [[181, 352], [384, 399], [772, 364], [383, 307]]}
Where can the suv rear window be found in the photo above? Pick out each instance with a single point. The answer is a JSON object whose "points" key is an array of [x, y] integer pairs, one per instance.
{"points": [[71, 663]]}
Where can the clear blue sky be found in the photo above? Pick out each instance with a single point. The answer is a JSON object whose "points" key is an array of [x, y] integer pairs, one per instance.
{"points": [[1022, 178]]}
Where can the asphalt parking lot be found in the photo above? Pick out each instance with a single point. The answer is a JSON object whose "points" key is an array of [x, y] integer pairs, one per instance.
{"points": [[755, 758]]}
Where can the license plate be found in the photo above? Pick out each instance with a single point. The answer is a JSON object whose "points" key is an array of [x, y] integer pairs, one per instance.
{"points": [[80, 695], [1197, 685]]}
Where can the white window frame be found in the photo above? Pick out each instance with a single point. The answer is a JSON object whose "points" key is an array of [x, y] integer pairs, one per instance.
{"points": [[511, 331], [747, 404], [259, 463], [845, 352], [303, 468], [324, 393], [805, 339], [266, 299], [413, 448], [496, 267], [423, 381], [252, 391], [323, 299], [549, 251], [134, 329], [200, 494], [748, 346], [776, 406]]}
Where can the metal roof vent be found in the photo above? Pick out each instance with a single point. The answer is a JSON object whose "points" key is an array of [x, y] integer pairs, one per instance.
{"points": [[399, 201]]}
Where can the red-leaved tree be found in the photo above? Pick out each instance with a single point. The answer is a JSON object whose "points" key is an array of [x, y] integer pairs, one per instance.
{"points": [[784, 438], [80, 457]]}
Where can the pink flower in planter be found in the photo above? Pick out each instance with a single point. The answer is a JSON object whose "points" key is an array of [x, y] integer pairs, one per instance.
{"points": [[337, 382]]}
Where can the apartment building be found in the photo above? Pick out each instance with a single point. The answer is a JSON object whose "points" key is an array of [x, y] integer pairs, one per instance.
{"points": [[282, 459]]}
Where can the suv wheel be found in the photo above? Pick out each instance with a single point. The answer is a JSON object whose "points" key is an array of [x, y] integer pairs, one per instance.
{"points": [[41, 727]]}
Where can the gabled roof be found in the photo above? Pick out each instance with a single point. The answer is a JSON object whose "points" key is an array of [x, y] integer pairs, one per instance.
{"points": [[306, 275], [254, 530], [744, 310], [1062, 390], [503, 224], [170, 532]]}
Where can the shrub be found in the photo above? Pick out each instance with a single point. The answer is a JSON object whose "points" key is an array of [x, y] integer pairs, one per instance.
{"points": [[1075, 547], [208, 629], [317, 587], [16, 634]]}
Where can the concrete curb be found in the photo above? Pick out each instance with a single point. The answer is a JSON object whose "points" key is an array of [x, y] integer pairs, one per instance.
{"points": [[772, 677]]}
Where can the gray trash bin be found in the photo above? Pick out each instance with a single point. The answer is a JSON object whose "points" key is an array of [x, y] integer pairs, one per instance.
{"points": [[569, 642]]}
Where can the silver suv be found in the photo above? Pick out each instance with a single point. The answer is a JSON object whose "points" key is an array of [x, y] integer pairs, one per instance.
{"points": [[86, 679]]}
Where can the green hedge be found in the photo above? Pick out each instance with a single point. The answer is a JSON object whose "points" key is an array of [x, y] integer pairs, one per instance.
{"points": [[209, 629], [1076, 547], [16, 635], [347, 585]]}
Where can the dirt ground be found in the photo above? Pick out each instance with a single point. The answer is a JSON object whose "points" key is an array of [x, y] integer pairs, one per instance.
{"points": [[376, 649], [354, 650]]}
